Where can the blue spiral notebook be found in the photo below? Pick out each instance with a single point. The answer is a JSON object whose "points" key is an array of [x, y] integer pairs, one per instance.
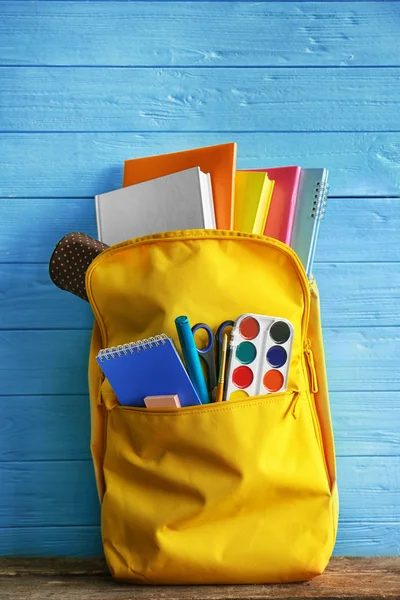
{"points": [[310, 209], [150, 367]]}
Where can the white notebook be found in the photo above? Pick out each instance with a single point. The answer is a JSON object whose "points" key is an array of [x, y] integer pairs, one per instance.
{"points": [[181, 200]]}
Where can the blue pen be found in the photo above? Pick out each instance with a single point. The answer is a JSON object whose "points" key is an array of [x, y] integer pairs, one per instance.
{"points": [[192, 360]]}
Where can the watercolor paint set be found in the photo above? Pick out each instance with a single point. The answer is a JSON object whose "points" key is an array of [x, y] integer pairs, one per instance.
{"points": [[260, 352]]}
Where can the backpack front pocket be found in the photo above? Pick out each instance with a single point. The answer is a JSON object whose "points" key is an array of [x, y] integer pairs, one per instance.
{"points": [[229, 493]]}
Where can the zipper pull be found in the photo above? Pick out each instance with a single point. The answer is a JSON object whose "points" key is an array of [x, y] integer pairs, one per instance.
{"points": [[311, 366]]}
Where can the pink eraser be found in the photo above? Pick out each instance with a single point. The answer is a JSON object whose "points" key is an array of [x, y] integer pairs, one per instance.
{"points": [[162, 401]]}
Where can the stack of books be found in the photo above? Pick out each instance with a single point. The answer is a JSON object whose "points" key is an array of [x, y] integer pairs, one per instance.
{"points": [[201, 189]]}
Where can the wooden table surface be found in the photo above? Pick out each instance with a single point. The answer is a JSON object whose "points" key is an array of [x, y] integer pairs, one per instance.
{"points": [[81, 579]]}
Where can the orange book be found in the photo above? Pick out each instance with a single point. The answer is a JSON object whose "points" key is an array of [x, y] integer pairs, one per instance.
{"points": [[219, 161]]}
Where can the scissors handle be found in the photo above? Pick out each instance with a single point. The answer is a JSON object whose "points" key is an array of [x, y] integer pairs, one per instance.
{"points": [[210, 334], [208, 355], [221, 331]]}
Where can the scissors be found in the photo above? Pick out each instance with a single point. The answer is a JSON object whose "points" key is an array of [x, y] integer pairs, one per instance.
{"points": [[208, 354]]}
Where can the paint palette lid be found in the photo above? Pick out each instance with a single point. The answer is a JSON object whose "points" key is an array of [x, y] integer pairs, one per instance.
{"points": [[260, 356]]}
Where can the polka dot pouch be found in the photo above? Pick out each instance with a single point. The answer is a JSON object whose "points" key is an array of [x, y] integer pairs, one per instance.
{"points": [[70, 261]]}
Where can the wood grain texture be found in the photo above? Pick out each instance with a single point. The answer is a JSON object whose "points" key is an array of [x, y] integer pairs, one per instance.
{"points": [[368, 538], [352, 294], [199, 99], [38, 428], [360, 229], [50, 428], [44, 567], [44, 222], [359, 294], [94, 566], [352, 356], [315, 2], [198, 34], [366, 294], [51, 541], [340, 112], [354, 229], [344, 578], [58, 360], [30, 300], [49, 493], [365, 423], [360, 538], [63, 165]]}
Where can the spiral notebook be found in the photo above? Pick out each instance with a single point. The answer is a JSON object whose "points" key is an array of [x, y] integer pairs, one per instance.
{"points": [[150, 367], [310, 208]]}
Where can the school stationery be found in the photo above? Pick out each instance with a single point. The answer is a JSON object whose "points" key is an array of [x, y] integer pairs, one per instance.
{"points": [[171, 401], [221, 376], [70, 260], [253, 192], [219, 161], [207, 354], [181, 488], [219, 336], [182, 200], [310, 208], [260, 356], [149, 367], [191, 357], [283, 203], [211, 353]]}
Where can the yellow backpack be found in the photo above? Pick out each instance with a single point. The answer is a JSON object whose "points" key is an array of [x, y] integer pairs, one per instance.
{"points": [[239, 492]]}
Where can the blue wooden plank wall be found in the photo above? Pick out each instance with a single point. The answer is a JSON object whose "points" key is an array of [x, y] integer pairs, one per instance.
{"points": [[85, 85]]}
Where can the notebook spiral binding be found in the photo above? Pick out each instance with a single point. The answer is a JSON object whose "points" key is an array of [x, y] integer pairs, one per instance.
{"points": [[320, 197], [139, 346]]}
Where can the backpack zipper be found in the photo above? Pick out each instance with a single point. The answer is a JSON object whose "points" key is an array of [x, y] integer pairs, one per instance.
{"points": [[194, 234], [311, 366]]}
